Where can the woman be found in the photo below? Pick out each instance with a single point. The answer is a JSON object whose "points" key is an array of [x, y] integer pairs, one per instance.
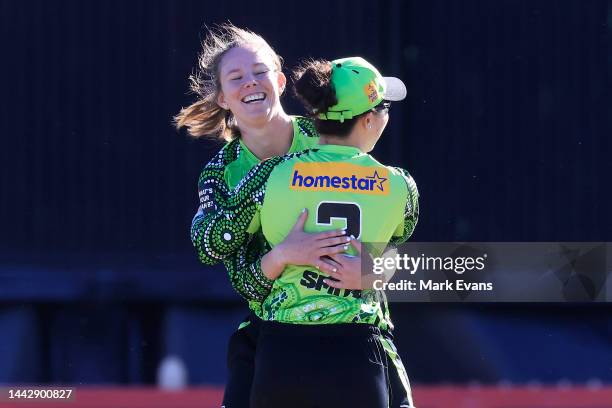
{"points": [[239, 84], [322, 346]]}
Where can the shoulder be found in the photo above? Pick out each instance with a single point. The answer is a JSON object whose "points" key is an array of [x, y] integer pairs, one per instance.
{"points": [[305, 126], [406, 177], [286, 160], [228, 153], [399, 176], [395, 172], [304, 134], [226, 157], [399, 172]]}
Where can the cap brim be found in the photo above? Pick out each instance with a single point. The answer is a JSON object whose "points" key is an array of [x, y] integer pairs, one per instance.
{"points": [[395, 89]]}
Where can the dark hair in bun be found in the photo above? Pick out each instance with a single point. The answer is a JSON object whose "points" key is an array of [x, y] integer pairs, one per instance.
{"points": [[313, 87]]}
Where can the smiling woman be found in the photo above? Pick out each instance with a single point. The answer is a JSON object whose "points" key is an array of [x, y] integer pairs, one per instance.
{"points": [[230, 59], [251, 84], [238, 87]]}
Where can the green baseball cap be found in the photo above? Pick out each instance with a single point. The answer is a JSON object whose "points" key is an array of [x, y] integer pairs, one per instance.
{"points": [[360, 87]]}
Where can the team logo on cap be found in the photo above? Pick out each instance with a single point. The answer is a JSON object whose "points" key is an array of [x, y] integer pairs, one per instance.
{"points": [[340, 177], [371, 91]]}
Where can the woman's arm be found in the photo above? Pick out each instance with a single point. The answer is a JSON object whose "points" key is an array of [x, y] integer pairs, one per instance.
{"points": [[220, 226], [255, 266], [245, 272], [303, 248], [210, 180]]}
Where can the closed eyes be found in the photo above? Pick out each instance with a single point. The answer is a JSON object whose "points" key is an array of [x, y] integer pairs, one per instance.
{"points": [[237, 78]]}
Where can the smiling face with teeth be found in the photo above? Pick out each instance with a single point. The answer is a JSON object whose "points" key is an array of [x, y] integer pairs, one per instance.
{"points": [[250, 85]]}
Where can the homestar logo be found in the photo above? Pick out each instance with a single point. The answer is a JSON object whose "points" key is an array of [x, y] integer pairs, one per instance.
{"points": [[340, 177]]}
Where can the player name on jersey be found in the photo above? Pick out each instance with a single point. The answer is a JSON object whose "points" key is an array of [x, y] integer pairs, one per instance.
{"points": [[340, 177]]}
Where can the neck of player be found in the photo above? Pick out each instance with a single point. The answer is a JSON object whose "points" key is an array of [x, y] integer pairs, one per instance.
{"points": [[353, 139], [273, 138]]}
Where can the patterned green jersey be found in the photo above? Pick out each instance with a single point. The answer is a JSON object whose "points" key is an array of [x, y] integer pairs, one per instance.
{"points": [[226, 169], [342, 188]]}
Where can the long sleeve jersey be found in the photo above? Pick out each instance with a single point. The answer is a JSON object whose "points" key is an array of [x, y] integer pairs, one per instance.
{"points": [[225, 170]]}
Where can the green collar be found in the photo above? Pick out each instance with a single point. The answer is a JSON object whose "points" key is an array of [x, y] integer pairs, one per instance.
{"points": [[340, 149]]}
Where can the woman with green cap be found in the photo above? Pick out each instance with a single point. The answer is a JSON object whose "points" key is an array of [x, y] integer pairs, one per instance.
{"points": [[320, 345]]}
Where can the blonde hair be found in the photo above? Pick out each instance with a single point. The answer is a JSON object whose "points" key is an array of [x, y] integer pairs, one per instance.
{"points": [[205, 117]]}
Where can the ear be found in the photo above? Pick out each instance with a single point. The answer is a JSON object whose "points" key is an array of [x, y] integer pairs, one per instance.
{"points": [[282, 82], [367, 121], [221, 100]]}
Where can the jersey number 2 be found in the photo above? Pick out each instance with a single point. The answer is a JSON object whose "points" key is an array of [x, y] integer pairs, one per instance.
{"points": [[327, 211]]}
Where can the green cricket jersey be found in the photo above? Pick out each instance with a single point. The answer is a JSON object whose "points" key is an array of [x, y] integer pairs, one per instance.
{"points": [[342, 188], [227, 168]]}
